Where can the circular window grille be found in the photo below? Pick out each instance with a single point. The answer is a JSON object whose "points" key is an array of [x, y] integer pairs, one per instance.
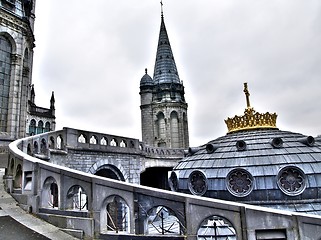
{"points": [[173, 182], [197, 183], [239, 182], [291, 180]]}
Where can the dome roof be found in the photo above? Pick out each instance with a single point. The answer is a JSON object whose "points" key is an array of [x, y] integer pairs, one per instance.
{"points": [[265, 167], [146, 79], [255, 163]]}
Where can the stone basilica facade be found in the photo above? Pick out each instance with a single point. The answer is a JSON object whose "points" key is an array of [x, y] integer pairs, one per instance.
{"points": [[19, 114]]}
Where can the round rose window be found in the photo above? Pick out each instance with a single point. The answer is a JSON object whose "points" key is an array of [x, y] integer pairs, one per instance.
{"points": [[197, 183], [291, 180], [239, 182]]}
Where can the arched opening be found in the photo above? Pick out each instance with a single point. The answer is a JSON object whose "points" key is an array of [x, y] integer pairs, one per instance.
{"points": [[29, 151], [110, 171], [103, 141], [50, 193], [115, 215], [18, 177], [174, 130], [123, 143], [32, 127], [40, 127], [162, 221], [216, 227], [156, 177], [161, 129], [60, 142], [93, 140], [52, 142], [35, 148], [113, 142], [82, 138], [47, 127], [43, 146], [185, 128], [77, 198]]}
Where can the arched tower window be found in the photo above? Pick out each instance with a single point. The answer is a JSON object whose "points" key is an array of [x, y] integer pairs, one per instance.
{"points": [[40, 127], [161, 128], [185, 129], [47, 127], [5, 62], [32, 127], [174, 130]]}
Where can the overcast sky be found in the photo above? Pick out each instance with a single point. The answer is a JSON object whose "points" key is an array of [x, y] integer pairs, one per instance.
{"points": [[92, 54]]}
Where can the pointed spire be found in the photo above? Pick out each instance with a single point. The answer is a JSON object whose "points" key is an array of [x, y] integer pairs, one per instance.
{"points": [[162, 12], [165, 70], [52, 101]]}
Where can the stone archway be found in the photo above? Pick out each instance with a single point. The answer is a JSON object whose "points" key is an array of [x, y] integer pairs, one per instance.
{"points": [[110, 171], [115, 215], [110, 168], [216, 227]]}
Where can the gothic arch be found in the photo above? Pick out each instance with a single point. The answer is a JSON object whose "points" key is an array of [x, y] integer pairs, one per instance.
{"points": [[6, 51], [43, 146], [77, 198], [60, 142], [175, 130], [11, 40], [18, 177], [216, 227], [47, 127], [112, 165], [161, 128], [115, 215], [32, 127], [110, 171], [162, 220], [35, 147], [50, 193], [40, 127], [185, 129]]}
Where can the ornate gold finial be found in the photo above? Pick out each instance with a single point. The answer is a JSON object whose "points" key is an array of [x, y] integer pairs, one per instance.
{"points": [[251, 119]]}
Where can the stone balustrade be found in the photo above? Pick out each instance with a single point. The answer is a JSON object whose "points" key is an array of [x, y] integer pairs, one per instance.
{"points": [[91, 206]]}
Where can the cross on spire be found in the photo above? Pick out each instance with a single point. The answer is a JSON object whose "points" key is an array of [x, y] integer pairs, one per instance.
{"points": [[247, 94], [162, 12]]}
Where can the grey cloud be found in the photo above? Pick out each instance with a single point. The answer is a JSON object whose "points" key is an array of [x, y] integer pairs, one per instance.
{"points": [[93, 56]]}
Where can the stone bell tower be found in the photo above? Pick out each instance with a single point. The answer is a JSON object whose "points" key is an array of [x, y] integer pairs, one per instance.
{"points": [[16, 56], [163, 105]]}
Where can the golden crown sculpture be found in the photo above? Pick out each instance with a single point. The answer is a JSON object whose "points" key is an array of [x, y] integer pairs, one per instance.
{"points": [[251, 119]]}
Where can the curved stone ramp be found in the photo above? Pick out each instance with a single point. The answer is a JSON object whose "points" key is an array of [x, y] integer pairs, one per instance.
{"points": [[17, 224]]}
